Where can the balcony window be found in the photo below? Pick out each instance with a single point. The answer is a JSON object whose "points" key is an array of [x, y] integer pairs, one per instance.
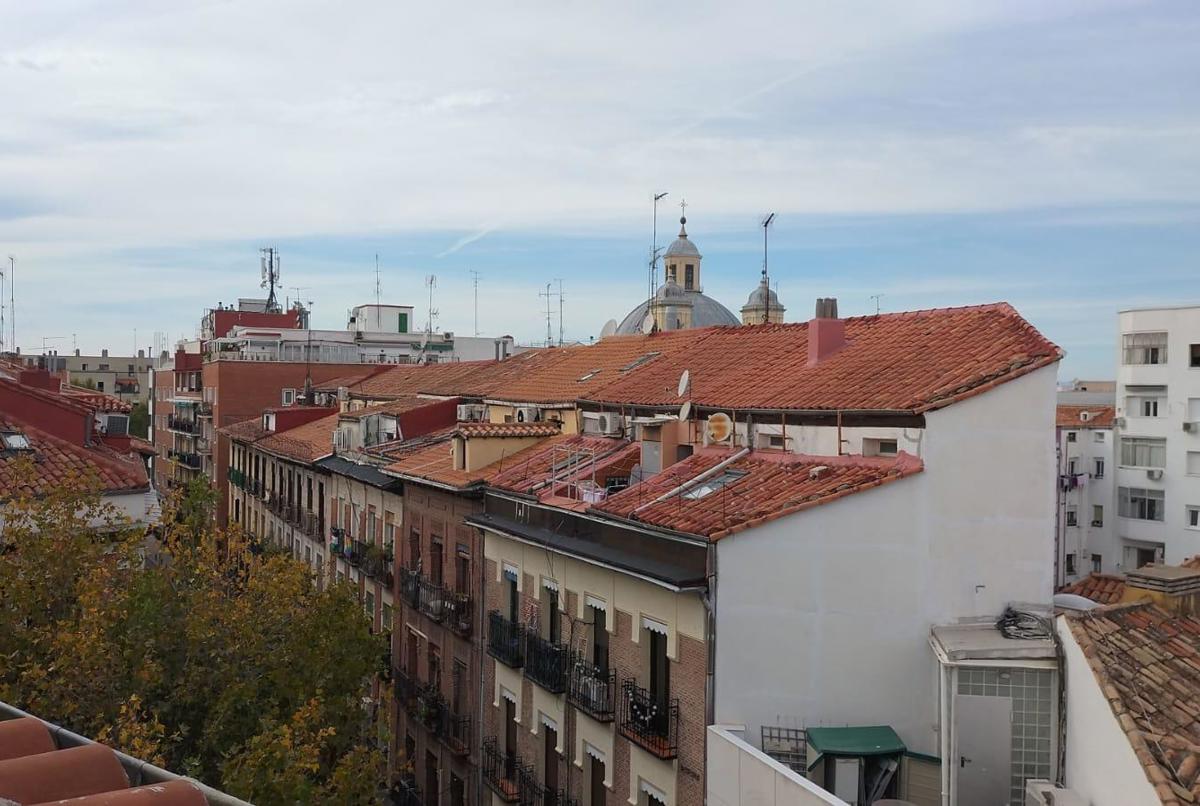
{"points": [[1099, 471], [435, 562], [1143, 452], [1194, 356], [1144, 348], [1140, 504], [1096, 563], [1072, 517], [1070, 564], [1097, 515], [1192, 520], [1072, 436]]}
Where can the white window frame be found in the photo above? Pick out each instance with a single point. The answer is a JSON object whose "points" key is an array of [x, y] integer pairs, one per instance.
{"points": [[1191, 517], [1141, 452], [288, 397]]}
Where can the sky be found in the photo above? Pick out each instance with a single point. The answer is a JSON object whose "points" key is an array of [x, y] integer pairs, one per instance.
{"points": [[917, 155]]}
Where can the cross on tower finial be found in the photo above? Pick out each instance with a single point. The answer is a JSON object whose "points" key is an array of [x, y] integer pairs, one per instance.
{"points": [[682, 218]]}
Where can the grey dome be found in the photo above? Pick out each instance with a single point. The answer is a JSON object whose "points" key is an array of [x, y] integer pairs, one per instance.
{"points": [[762, 295], [706, 312], [682, 246], [673, 292]]}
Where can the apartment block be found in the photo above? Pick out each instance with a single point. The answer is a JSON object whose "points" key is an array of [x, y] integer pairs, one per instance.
{"points": [[1158, 435], [1086, 520]]}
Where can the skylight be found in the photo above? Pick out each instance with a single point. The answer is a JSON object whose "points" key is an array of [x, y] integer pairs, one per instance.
{"points": [[15, 441], [588, 376], [641, 359], [710, 486]]}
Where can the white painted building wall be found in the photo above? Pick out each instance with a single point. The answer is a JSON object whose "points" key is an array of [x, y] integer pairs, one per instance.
{"points": [[1100, 763], [1180, 403], [1090, 457], [738, 774], [823, 617]]}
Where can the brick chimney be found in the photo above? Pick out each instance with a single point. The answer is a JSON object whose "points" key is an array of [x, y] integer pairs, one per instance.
{"points": [[826, 333], [1171, 587]]}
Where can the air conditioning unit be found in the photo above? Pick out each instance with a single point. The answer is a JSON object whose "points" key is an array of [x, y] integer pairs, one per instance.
{"points": [[610, 423], [528, 414], [1118, 422], [471, 412], [1192, 427], [1040, 792], [1154, 474], [343, 394]]}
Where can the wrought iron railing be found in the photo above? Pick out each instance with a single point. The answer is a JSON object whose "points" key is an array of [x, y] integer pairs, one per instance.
{"points": [[185, 458], [407, 689], [182, 425], [404, 792], [506, 640], [507, 776], [592, 689], [546, 663], [456, 732], [410, 587], [650, 720], [431, 708], [459, 615], [237, 478]]}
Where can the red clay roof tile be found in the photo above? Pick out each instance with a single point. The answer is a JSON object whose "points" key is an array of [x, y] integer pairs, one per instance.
{"points": [[544, 429], [1072, 416], [56, 461], [1100, 588]]}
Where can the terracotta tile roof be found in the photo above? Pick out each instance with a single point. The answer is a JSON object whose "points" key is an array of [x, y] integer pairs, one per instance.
{"points": [[902, 362], [1070, 416], [544, 429], [397, 406], [559, 469], [434, 463], [1147, 663], [33, 770], [246, 431], [1100, 588], [758, 487], [401, 380], [96, 400], [57, 460], [303, 443]]}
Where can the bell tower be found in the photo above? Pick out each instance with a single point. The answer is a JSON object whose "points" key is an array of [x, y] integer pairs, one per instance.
{"points": [[682, 258]]}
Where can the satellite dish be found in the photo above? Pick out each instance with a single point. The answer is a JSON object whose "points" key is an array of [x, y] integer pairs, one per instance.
{"points": [[685, 409], [719, 427], [648, 323], [610, 327], [684, 380]]}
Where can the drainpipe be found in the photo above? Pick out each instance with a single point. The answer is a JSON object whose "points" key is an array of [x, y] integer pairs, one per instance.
{"points": [[709, 600], [480, 610], [712, 471]]}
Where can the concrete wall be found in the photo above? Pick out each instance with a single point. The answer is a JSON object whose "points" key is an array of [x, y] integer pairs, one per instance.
{"points": [[1100, 762], [823, 617], [740, 775]]}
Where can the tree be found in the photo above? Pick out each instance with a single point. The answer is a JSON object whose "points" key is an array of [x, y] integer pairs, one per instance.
{"points": [[139, 420], [213, 661]]}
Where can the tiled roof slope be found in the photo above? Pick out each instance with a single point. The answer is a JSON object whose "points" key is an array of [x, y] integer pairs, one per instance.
{"points": [[434, 463], [898, 362], [772, 484], [397, 405], [1147, 662], [1069, 416], [576, 458], [1100, 588], [57, 460], [246, 430], [546, 429], [409, 379], [303, 443], [97, 400]]}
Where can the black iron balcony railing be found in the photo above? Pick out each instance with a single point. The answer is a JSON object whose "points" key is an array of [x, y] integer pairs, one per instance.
{"points": [[431, 708], [552, 797], [650, 720], [458, 612], [254, 486], [410, 587], [185, 458], [404, 792], [456, 732], [407, 689], [592, 689], [506, 775], [237, 478], [546, 663], [506, 640], [183, 425]]}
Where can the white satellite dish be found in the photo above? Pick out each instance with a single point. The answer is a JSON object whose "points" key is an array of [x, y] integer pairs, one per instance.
{"points": [[685, 409], [684, 380], [610, 327], [648, 323]]}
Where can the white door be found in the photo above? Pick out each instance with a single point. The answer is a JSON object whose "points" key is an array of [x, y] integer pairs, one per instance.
{"points": [[984, 727]]}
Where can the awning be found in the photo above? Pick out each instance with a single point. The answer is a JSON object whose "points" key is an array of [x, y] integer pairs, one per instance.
{"points": [[654, 626], [875, 740]]}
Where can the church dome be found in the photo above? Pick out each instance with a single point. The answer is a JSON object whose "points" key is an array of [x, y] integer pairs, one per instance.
{"points": [[682, 246], [762, 295], [672, 292], [706, 312]]}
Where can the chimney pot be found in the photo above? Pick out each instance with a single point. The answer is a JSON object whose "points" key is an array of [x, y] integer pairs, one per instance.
{"points": [[76, 352], [104, 353]]}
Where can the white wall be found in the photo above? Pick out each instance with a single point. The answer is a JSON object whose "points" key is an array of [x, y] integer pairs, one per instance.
{"points": [[1100, 762], [740, 775], [1183, 384], [823, 617], [1084, 540]]}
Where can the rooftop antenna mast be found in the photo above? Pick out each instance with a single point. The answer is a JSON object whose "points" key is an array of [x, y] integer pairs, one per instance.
{"points": [[12, 300], [475, 275], [877, 297], [547, 294], [378, 286], [654, 250], [560, 312], [431, 283], [308, 399], [2, 307], [270, 276], [766, 225]]}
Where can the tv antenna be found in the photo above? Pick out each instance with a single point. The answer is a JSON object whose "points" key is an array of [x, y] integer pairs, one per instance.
{"points": [[2, 306], [378, 285], [877, 297], [654, 250], [430, 283], [475, 275], [560, 312], [269, 260], [297, 289], [766, 225], [12, 301]]}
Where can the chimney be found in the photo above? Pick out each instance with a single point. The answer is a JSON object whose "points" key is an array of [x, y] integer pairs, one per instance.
{"points": [[104, 353], [76, 352], [826, 333], [1171, 587]]}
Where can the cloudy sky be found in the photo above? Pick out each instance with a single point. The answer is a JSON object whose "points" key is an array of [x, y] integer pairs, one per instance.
{"points": [[934, 153]]}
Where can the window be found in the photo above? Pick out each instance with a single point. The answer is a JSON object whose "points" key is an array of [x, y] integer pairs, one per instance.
{"points": [[15, 441], [1072, 517], [1072, 436], [1194, 356], [880, 447], [435, 562], [1097, 436], [1070, 563], [1144, 348], [689, 277], [289, 397], [1096, 563], [1193, 518], [83, 368], [1143, 452], [599, 637], [1149, 407], [1144, 505], [1097, 515], [104, 367], [1099, 473], [1193, 463], [100, 386], [369, 607], [709, 486], [1072, 466]]}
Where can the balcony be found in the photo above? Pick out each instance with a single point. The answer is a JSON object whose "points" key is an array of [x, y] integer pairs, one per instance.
{"points": [[456, 732], [592, 689], [185, 458], [183, 426], [407, 689], [506, 775], [237, 478], [506, 640], [404, 792], [552, 797], [431, 708], [459, 613], [649, 720], [546, 663], [410, 588]]}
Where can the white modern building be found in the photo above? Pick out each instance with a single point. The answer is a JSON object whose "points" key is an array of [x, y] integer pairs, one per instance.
{"points": [[1158, 435], [1085, 525]]}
